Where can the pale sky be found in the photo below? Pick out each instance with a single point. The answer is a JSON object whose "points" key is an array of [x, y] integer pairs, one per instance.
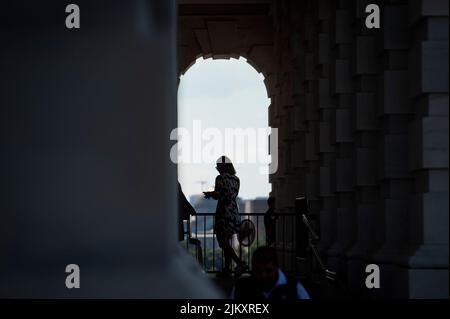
{"points": [[223, 94]]}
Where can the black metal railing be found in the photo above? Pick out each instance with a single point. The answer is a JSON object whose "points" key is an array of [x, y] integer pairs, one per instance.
{"points": [[200, 240], [329, 284], [316, 263]]}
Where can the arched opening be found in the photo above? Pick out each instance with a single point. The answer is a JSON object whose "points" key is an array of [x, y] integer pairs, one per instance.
{"points": [[215, 96], [223, 110]]}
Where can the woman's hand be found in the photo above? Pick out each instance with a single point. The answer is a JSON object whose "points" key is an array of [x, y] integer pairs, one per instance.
{"points": [[213, 194], [207, 194]]}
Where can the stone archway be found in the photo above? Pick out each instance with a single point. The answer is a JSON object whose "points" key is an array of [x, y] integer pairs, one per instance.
{"points": [[255, 30], [356, 117], [227, 30]]}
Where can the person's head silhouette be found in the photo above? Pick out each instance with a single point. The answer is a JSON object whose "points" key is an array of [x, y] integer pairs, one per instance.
{"points": [[224, 165], [265, 266]]}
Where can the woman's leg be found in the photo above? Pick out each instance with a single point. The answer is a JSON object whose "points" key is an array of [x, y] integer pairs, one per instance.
{"points": [[230, 254], [221, 240]]}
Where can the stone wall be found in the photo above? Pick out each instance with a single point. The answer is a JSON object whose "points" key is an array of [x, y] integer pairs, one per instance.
{"points": [[365, 137], [363, 129]]}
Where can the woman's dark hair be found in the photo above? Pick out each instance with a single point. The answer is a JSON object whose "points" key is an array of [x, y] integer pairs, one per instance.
{"points": [[224, 165]]}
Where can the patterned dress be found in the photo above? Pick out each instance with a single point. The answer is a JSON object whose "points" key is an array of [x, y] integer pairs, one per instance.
{"points": [[227, 220]]}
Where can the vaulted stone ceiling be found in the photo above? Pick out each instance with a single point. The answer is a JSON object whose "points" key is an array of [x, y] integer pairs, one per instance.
{"points": [[225, 29]]}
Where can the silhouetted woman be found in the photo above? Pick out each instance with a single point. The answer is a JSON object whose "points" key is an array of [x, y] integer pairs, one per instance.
{"points": [[227, 220]]}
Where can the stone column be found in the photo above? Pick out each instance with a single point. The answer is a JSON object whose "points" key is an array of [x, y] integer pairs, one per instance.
{"points": [[368, 149], [86, 174], [285, 178], [428, 206], [393, 115], [308, 77], [323, 98]]}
